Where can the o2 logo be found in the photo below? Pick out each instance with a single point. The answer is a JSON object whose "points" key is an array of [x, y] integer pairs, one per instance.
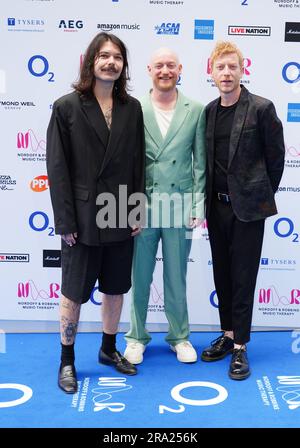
{"points": [[93, 299], [27, 394], [291, 72], [213, 298], [176, 395], [284, 228], [39, 222], [38, 66]]}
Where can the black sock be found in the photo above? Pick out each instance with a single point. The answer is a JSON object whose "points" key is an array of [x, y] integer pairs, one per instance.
{"points": [[108, 343], [67, 355]]}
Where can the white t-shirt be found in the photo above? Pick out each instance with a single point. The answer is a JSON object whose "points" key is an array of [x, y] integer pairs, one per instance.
{"points": [[163, 118]]}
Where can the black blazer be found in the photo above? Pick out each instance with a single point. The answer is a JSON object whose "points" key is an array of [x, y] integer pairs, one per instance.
{"points": [[256, 156], [85, 159]]}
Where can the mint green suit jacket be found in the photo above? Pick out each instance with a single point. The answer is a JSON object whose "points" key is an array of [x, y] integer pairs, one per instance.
{"points": [[176, 163]]}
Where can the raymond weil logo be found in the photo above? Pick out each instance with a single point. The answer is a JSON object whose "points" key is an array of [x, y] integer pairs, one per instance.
{"points": [[248, 30]]}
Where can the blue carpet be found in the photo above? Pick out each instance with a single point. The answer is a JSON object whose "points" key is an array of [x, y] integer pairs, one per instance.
{"points": [[208, 398]]}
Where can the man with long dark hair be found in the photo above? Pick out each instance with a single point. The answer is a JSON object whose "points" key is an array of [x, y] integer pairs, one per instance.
{"points": [[95, 144]]}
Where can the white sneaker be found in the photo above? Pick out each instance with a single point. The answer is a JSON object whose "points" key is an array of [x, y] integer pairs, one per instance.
{"points": [[185, 352], [134, 352]]}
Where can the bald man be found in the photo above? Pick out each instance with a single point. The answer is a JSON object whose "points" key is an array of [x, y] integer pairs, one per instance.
{"points": [[175, 185]]}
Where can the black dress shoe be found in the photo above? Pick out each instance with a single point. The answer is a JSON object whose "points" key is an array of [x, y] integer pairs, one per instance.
{"points": [[118, 361], [239, 365], [218, 349], [67, 379]]}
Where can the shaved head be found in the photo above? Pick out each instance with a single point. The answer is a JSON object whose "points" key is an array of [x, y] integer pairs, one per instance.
{"points": [[164, 52]]}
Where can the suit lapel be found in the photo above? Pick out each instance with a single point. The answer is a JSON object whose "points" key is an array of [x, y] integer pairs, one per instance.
{"points": [[94, 115], [238, 123], [180, 114], [150, 122], [120, 117]]}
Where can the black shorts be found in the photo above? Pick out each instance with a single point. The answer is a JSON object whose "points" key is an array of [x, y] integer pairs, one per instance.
{"points": [[82, 265]]}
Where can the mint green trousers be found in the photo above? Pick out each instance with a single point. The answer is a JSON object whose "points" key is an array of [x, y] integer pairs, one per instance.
{"points": [[176, 246]]}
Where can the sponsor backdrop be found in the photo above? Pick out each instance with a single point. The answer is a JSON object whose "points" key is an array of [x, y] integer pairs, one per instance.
{"points": [[42, 45]]}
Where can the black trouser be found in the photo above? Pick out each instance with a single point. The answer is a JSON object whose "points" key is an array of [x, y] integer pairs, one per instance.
{"points": [[236, 250]]}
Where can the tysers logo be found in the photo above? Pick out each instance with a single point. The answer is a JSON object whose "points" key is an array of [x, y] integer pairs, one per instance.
{"points": [[291, 72], [38, 66], [39, 184]]}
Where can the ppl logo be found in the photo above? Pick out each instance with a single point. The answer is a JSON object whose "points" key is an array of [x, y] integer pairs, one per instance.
{"points": [[246, 64], [270, 296], [71, 25], [168, 28], [29, 290], [39, 184], [26, 140], [291, 72]]}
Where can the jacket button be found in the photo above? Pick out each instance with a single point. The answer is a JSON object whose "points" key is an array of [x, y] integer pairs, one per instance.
{"points": [[174, 161], [172, 185], [155, 184]]}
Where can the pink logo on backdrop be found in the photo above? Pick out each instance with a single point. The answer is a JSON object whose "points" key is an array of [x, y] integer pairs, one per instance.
{"points": [[30, 290], [293, 151], [28, 139], [246, 71], [271, 296]]}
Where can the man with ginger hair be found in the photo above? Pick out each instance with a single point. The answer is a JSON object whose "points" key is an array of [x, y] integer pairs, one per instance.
{"points": [[245, 160], [175, 166]]}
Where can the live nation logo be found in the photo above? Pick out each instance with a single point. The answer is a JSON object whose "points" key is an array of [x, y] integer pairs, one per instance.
{"points": [[32, 297], [31, 148], [14, 258]]}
